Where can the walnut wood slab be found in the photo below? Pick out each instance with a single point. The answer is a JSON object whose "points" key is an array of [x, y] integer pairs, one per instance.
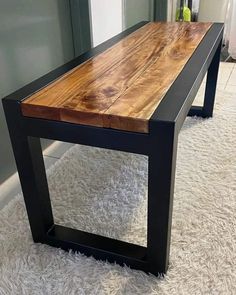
{"points": [[121, 87]]}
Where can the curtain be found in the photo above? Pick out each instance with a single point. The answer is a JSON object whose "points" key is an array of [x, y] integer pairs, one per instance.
{"points": [[230, 28]]}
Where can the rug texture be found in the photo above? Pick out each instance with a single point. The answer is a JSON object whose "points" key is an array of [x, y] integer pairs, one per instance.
{"points": [[105, 192]]}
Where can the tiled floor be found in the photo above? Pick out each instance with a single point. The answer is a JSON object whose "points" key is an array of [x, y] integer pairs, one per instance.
{"points": [[226, 81]]}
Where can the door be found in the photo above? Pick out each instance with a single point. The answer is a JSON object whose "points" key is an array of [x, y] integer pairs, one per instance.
{"points": [[35, 38], [135, 11]]}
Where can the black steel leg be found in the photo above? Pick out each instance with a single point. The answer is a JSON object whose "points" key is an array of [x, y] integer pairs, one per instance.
{"points": [[162, 160], [207, 109], [30, 165], [211, 82]]}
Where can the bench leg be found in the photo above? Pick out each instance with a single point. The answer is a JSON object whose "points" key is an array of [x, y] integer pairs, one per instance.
{"points": [[206, 110], [162, 161], [31, 170], [211, 84]]}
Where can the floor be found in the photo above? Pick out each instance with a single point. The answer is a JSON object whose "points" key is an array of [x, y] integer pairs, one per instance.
{"points": [[11, 187]]}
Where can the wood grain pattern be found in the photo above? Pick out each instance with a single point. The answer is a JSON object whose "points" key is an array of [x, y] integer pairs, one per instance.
{"points": [[122, 87]]}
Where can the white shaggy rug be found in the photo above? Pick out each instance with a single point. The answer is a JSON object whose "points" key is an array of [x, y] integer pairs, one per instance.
{"points": [[105, 192]]}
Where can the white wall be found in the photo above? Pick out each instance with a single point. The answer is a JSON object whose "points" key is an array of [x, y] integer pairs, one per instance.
{"points": [[213, 10], [106, 19], [174, 8], [136, 11], [169, 10]]}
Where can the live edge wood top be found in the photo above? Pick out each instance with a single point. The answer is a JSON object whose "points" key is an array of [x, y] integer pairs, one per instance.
{"points": [[121, 87]]}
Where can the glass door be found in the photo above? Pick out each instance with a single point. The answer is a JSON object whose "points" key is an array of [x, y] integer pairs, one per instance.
{"points": [[135, 11]]}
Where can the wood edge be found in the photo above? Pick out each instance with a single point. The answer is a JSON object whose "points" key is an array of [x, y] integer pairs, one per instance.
{"points": [[125, 123], [38, 111], [81, 117]]}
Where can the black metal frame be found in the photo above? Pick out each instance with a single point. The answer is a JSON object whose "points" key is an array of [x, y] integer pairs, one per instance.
{"points": [[160, 145]]}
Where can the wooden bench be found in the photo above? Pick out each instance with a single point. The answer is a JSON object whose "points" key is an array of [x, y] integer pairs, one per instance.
{"points": [[131, 93]]}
